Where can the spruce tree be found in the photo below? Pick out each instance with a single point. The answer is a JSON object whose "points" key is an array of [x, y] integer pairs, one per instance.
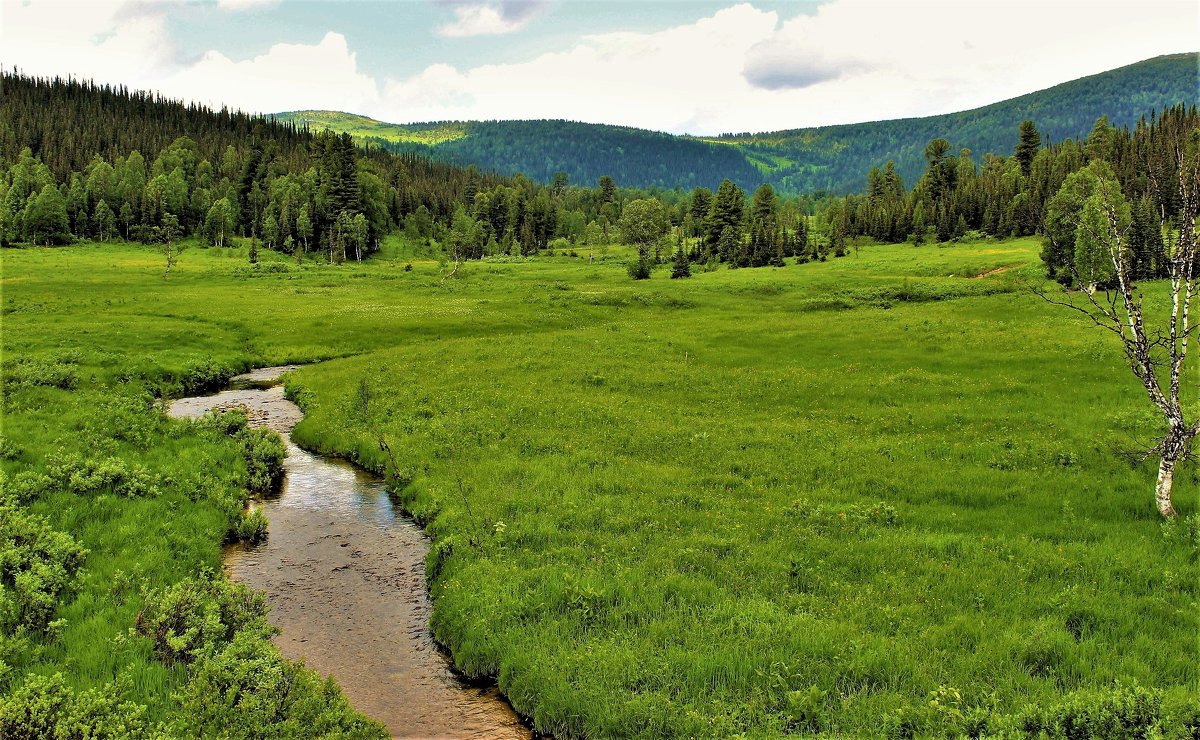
{"points": [[1028, 143], [681, 268], [727, 246], [727, 211]]}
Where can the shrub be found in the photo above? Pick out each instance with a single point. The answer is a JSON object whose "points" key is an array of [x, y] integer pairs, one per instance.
{"points": [[239, 686], [1106, 714], [246, 689], [207, 375], [264, 452], [228, 422], [263, 449], [252, 527], [83, 476], [195, 617], [44, 708], [29, 371], [8, 449], [28, 485], [37, 568]]}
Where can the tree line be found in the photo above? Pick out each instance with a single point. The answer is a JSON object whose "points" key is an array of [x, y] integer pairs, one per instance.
{"points": [[1039, 189], [72, 167], [82, 160]]}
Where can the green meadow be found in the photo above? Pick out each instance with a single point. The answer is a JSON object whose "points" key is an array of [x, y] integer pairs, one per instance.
{"points": [[889, 494]]}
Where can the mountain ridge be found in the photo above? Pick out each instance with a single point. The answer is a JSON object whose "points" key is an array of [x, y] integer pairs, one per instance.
{"points": [[801, 160]]}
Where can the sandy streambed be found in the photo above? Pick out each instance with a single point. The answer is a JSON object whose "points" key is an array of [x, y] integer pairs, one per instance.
{"points": [[344, 574]]}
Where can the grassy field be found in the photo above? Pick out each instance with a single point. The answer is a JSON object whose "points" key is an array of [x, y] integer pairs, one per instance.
{"points": [[876, 495], [362, 127]]}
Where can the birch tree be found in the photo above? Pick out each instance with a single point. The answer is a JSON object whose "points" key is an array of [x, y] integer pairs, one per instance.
{"points": [[1155, 345]]}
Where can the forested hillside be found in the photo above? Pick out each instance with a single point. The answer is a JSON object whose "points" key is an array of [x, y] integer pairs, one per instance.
{"points": [[86, 160], [541, 149], [798, 161], [834, 157]]}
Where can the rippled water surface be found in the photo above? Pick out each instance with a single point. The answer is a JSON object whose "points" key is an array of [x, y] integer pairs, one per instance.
{"points": [[344, 574]]}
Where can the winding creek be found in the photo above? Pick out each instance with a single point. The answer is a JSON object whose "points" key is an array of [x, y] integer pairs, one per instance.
{"points": [[344, 574]]}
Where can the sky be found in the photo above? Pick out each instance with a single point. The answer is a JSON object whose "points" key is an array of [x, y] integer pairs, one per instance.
{"points": [[678, 66]]}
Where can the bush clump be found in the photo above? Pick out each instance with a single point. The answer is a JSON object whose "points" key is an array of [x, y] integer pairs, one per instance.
{"points": [[264, 452], [252, 527], [37, 569], [1117, 713], [44, 708], [262, 449], [86, 475], [30, 371], [238, 684], [247, 690], [196, 616]]}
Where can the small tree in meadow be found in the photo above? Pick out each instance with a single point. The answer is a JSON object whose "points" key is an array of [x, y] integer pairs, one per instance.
{"points": [[168, 233], [643, 224], [681, 266]]}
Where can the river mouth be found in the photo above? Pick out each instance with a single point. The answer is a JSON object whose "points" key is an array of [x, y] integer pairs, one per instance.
{"points": [[344, 574]]}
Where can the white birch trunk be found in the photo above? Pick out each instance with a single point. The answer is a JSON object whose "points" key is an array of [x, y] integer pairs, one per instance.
{"points": [[1162, 489]]}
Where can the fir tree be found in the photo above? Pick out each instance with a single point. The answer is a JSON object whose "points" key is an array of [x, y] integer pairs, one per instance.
{"points": [[1028, 143], [681, 267]]}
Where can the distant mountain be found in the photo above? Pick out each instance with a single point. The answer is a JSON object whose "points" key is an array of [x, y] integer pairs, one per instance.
{"points": [[539, 149], [834, 158]]}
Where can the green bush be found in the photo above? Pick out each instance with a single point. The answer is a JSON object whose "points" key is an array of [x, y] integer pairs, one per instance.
{"points": [[37, 568], [28, 371], [263, 449], [44, 708], [28, 485], [85, 475], [246, 689], [1118, 713], [195, 617], [228, 422], [265, 452], [239, 686], [252, 527]]}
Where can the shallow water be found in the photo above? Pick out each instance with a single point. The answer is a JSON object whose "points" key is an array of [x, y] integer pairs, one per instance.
{"points": [[344, 574]]}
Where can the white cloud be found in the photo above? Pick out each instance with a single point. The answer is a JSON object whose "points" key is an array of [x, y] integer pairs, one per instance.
{"points": [[287, 77], [239, 5], [107, 41], [900, 59], [742, 69], [129, 43], [490, 18], [659, 80]]}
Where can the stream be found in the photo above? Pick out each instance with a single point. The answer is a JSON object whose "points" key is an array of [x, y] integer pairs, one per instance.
{"points": [[344, 573]]}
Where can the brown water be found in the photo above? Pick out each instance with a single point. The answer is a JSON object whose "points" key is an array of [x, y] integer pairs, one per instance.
{"points": [[344, 574]]}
